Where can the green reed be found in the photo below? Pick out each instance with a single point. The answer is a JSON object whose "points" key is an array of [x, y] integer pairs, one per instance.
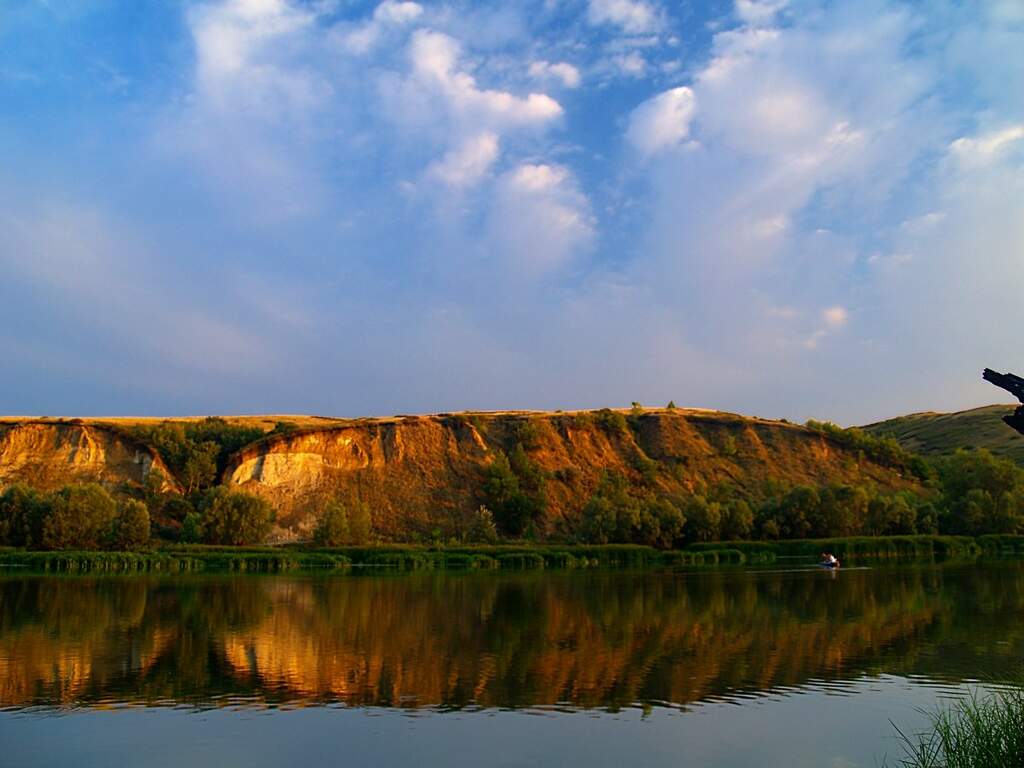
{"points": [[985, 730]]}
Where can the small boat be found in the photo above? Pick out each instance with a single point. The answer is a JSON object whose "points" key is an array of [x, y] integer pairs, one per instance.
{"points": [[829, 564]]}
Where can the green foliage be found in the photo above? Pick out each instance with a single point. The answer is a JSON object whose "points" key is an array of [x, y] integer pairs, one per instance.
{"points": [[196, 452], [481, 528], [883, 450], [528, 434], [79, 517], [130, 529], [737, 520], [981, 493], [612, 422], [981, 731], [22, 512], [615, 513], [703, 519], [192, 528], [514, 490], [332, 526], [360, 523], [636, 408], [671, 405], [234, 517]]}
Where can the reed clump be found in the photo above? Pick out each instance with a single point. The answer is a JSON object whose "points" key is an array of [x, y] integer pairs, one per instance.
{"points": [[985, 730]]}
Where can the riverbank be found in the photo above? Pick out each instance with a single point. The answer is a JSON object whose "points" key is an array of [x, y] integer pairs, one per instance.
{"points": [[512, 556]]}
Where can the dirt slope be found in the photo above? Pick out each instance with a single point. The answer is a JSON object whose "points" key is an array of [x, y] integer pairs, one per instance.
{"points": [[421, 473], [48, 454]]}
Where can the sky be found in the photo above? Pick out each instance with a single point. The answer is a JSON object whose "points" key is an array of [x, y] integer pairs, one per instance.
{"points": [[794, 209]]}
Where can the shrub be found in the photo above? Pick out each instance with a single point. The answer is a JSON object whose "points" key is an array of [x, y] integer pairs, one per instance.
{"points": [[509, 494], [360, 523], [481, 529], [332, 528], [79, 517], [22, 512], [130, 529], [737, 520], [610, 421], [235, 518]]}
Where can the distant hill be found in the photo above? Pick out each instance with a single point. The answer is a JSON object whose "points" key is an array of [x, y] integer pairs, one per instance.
{"points": [[931, 433]]}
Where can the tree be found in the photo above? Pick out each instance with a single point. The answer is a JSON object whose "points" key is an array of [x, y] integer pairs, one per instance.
{"points": [[514, 508], [481, 528], [598, 524], [235, 517], [797, 509], [360, 523], [22, 512], [130, 529], [670, 523], [332, 529], [192, 528], [79, 517], [703, 519], [737, 520]]}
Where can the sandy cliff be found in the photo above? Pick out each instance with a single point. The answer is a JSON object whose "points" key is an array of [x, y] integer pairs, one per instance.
{"points": [[48, 454], [420, 472]]}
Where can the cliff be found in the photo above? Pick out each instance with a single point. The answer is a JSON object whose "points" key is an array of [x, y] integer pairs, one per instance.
{"points": [[48, 454], [419, 473]]}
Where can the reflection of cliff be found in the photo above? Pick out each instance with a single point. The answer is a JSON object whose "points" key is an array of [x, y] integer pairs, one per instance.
{"points": [[584, 639]]}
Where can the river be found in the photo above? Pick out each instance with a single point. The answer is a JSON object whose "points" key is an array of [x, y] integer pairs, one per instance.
{"points": [[766, 667]]}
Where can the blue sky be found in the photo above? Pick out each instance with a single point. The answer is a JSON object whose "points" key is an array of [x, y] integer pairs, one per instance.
{"points": [[788, 209]]}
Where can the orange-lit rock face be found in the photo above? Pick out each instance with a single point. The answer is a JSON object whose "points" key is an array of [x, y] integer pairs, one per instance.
{"points": [[50, 454], [419, 473]]}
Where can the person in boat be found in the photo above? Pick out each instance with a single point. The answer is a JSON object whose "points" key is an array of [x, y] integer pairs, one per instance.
{"points": [[829, 560]]}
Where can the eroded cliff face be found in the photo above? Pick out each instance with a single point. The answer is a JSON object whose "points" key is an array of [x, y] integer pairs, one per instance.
{"points": [[49, 454], [422, 473]]}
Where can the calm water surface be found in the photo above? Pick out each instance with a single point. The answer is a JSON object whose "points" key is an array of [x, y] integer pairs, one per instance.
{"points": [[739, 668]]}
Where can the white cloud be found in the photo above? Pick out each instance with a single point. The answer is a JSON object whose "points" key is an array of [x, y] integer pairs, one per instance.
{"points": [[563, 71], [467, 164], [390, 13], [835, 317], [234, 63], [979, 150], [435, 60], [539, 221], [630, 64], [662, 121], [759, 11], [633, 16]]}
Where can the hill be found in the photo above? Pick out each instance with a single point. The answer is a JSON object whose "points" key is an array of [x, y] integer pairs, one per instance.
{"points": [[424, 476], [932, 434]]}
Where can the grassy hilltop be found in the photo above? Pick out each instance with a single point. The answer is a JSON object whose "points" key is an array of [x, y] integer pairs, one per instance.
{"points": [[939, 434]]}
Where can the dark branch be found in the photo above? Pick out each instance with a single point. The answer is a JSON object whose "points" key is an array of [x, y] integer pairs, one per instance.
{"points": [[1015, 386]]}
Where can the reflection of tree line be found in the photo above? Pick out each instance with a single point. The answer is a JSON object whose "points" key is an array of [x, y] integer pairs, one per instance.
{"points": [[593, 639]]}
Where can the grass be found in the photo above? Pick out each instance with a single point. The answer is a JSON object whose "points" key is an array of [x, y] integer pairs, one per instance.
{"points": [[940, 434], [983, 731], [408, 557]]}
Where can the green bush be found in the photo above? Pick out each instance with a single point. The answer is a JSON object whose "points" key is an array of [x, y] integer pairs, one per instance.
{"points": [[22, 512], [332, 526], [79, 517], [130, 529], [234, 517]]}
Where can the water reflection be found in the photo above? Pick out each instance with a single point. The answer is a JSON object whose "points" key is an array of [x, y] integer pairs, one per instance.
{"points": [[495, 640]]}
